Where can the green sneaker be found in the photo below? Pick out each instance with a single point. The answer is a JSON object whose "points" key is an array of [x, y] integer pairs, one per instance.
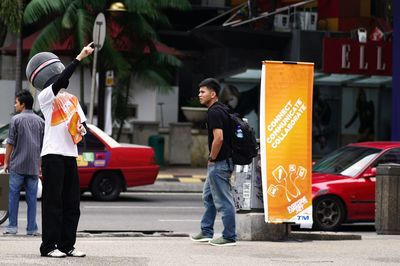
{"points": [[222, 242], [200, 238]]}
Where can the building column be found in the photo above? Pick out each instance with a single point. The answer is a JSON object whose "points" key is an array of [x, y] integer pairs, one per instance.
{"points": [[396, 72]]}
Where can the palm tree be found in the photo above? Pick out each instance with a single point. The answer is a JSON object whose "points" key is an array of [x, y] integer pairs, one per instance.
{"points": [[11, 15], [138, 58]]}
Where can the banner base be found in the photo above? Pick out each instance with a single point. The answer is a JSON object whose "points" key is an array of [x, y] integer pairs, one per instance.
{"points": [[252, 227]]}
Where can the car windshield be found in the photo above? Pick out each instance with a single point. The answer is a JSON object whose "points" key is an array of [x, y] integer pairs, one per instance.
{"points": [[348, 161], [3, 133]]}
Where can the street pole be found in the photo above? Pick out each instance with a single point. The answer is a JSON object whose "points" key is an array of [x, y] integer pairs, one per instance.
{"points": [[99, 35], [92, 90]]}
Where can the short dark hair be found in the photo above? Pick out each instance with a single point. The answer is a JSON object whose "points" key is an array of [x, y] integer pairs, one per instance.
{"points": [[25, 97], [212, 84]]}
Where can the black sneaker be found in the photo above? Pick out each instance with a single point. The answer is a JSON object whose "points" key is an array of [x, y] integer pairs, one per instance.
{"points": [[33, 234], [200, 238], [222, 242]]}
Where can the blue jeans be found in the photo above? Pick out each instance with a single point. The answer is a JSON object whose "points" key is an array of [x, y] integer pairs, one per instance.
{"points": [[217, 196], [30, 182]]}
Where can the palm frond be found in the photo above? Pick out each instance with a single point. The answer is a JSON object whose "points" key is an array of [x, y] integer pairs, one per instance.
{"points": [[143, 29], [70, 15], [166, 59], [49, 36], [11, 14], [36, 10], [95, 6], [140, 7], [183, 5], [84, 27], [163, 20], [114, 59]]}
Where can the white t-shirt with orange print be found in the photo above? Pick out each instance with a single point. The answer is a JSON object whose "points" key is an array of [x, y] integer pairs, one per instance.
{"points": [[62, 114]]}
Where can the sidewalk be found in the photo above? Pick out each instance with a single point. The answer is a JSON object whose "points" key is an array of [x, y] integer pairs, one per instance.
{"points": [[176, 179], [371, 250]]}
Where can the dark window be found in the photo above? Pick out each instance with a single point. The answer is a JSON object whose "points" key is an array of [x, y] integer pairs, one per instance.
{"points": [[392, 156], [91, 143]]}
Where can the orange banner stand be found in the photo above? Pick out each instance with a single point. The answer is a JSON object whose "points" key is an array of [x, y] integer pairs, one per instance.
{"points": [[285, 140]]}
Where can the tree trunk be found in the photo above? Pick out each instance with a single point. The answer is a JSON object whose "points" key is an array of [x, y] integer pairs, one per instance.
{"points": [[18, 56], [18, 63]]}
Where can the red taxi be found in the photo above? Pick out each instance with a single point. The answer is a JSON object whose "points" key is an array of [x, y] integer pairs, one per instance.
{"points": [[107, 167]]}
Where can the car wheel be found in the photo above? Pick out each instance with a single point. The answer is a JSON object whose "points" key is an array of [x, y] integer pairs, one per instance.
{"points": [[106, 186], [328, 213], [3, 216]]}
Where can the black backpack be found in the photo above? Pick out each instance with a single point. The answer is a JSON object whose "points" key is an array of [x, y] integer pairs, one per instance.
{"points": [[244, 143]]}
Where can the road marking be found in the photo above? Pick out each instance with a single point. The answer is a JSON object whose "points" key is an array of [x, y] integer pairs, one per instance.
{"points": [[189, 180], [200, 176], [161, 176], [187, 220], [161, 220], [141, 207]]}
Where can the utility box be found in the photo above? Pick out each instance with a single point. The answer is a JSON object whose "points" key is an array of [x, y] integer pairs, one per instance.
{"points": [[157, 143], [307, 20], [248, 187], [248, 196], [282, 22], [4, 188]]}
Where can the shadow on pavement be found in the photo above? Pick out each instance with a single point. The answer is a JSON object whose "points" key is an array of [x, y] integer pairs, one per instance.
{"points": [[357, 227]]}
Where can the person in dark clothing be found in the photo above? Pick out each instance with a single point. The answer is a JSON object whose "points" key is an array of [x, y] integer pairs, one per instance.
{"points": [[64, 128], [321, 119], [217, 191], [365, 111]]}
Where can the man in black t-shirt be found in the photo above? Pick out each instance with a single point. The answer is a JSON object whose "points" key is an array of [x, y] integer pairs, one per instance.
{"points": [[217, 191]]}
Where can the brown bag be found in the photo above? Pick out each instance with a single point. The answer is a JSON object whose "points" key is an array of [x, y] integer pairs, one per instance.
{"points": [[4, 188]]}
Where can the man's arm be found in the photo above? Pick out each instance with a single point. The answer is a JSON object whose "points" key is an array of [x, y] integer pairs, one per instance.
{"points": [[9, 149], [216, 144], [62, 81]]}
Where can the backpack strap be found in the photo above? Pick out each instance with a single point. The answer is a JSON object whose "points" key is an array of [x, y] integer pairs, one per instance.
{"points": [[226, 109]]}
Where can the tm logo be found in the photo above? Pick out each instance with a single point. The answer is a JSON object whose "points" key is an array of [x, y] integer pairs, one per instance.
{"points": [[303, 217]]}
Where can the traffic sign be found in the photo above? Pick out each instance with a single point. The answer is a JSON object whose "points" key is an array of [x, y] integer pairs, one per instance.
{"points": [[99, 31]]}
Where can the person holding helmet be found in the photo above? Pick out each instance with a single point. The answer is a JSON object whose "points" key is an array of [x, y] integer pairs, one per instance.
{"points": [[64, 128]]}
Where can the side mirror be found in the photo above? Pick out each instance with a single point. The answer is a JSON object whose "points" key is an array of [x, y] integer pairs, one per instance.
{"points": [[370, 172]]}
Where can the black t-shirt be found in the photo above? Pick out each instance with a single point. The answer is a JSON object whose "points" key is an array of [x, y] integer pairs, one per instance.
{"points": [[218, 118]]}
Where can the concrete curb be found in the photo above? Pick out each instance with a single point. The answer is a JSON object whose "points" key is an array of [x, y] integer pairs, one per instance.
{"points": [[131, 234], [323, 236], [320, 236], [297, 236]]}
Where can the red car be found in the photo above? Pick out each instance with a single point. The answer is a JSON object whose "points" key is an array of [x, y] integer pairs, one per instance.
{"points": [[107, 167], [343, 183]]}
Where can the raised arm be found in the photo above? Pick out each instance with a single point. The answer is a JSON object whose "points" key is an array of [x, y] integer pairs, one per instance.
{"points": [[63, 79]]}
